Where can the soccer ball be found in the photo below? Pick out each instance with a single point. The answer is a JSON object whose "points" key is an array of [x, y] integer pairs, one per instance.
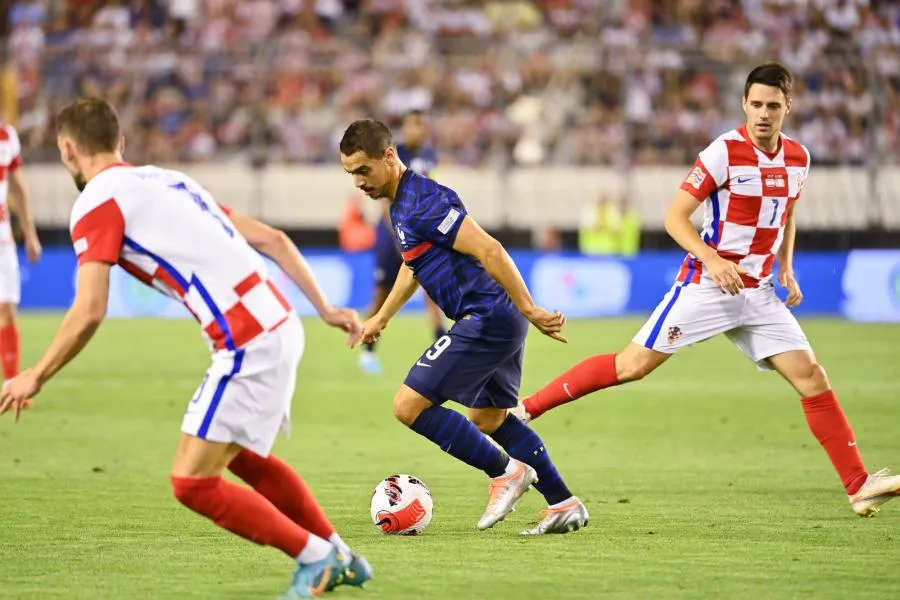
{"points": [[401, 505]]}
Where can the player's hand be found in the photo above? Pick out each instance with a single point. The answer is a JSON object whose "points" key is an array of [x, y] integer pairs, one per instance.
{"points": [[33, 247], [17, 390], [371, 330], [549, 323], [345, 319], [787, 281], [726, 275]]}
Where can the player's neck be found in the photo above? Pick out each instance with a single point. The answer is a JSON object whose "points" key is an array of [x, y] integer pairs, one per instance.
{"points": [[100, 162], [395, 185], [770, 145]]}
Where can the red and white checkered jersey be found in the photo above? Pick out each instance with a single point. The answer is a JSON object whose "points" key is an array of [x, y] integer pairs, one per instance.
{"points": [[749, 194], [10, 160], [164, 229]]}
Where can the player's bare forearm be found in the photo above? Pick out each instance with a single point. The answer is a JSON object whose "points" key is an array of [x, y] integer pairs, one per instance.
{"points": [[275, 244], [19, 193], [679, 227], [294, 265], [500, 265], [75, 331], [471, 239], [785, 256], [81, 321], [404, 287]]}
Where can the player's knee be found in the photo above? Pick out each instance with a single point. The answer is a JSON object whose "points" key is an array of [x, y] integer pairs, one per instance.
{"points": [[487, 420], [815, 380], [407, 408], [632, 369], [7, 313]]}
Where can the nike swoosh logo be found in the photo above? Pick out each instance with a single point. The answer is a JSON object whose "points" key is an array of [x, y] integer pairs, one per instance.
{"points": [[566, 390], [743, 179], [851, 443], [419, 363]]}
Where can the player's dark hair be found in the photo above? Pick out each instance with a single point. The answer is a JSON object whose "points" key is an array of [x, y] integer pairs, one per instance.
{"points": [[92, 124], [773, 74], [371, 136]]}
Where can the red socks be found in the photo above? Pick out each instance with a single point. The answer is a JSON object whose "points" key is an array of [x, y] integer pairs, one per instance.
{"points": [[241, 511], [829, 424], [588, 376], [284, 488], [9, 350]]}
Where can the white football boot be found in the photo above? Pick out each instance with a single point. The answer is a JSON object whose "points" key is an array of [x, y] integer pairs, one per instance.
{"points": [[505, 491], [879, 487], [570, 516]]}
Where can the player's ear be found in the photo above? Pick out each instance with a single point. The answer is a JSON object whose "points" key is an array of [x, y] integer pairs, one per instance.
{"points": [[787, 106], [744, 104], [66, 150], [122, 145], [390, 156]]}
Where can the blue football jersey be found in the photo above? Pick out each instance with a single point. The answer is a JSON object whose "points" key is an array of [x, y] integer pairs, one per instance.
{"points": [[426, 217]]}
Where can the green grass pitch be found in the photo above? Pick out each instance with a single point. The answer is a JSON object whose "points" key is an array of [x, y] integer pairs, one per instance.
{"points": [[702, 481]]}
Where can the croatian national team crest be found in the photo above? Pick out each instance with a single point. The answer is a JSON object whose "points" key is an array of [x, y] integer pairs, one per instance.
{"points": [[696, 177], [674, 334]]}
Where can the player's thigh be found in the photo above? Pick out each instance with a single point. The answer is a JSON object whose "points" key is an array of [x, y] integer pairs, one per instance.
{"points": [[689, 314], [10, 290], [245, 397], [501, 391], [458, 365], [768, 328]]}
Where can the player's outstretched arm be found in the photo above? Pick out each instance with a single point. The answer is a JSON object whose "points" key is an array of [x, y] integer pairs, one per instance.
{"points": [[471, 239], [404, 287], [19, 193], [275, 244], [785, 258], [77, 328], [726, 274]]}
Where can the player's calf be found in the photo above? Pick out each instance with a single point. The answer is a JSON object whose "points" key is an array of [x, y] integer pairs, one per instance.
{"points": [[9, 341], [590, 375], [525, 445], [286, 489]]}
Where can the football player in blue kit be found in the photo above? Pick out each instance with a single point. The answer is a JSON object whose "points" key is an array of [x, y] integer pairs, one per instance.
{"points": [[478, 363], [420, 157]]}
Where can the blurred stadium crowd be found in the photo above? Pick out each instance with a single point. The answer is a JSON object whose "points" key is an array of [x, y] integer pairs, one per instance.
{"points": [[583, 82]]}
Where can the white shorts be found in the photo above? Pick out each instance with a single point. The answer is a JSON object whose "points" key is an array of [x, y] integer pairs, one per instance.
{"points": [[756, 321], [9, 273], [245, 397]]}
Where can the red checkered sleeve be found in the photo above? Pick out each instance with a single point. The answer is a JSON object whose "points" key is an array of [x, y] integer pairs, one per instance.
{"points": [[699, 183]]}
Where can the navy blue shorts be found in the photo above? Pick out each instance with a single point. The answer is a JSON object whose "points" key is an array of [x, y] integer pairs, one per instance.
{"points": [[478, 363], [387, 256]]}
